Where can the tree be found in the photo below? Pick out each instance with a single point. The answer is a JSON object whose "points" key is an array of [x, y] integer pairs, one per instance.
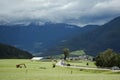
{"points": [[66, 53], [108, 58]]}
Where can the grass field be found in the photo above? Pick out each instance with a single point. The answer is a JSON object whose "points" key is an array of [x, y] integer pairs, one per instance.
{"points": [[82, 63], [44, 71]]}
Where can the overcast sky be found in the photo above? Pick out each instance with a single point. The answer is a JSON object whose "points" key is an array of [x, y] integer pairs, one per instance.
{"points": [[80, 12]]}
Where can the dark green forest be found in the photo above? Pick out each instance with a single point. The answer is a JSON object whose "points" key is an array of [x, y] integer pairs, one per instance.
{"points": [[10, 52]]}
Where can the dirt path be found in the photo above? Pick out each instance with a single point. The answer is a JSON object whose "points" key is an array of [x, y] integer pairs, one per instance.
{"points": [[60, 63]]}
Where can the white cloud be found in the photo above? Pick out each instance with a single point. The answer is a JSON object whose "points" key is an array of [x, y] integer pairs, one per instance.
{"points": [[68, 11]]}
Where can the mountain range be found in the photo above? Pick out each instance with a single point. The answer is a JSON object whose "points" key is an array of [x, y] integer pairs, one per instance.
{"points": [[51, 38], [97, 40]]}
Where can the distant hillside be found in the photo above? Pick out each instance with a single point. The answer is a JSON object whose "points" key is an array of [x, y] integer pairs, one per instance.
{"points": [[9, 52], [99, 39]]}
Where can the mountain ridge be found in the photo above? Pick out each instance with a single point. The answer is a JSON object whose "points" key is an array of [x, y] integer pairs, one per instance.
{"points": [[50, 38], [10, 52], [32, 37], [101, 38]]}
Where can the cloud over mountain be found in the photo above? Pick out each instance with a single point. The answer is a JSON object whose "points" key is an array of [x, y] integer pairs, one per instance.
{"points": [[78, 12]]}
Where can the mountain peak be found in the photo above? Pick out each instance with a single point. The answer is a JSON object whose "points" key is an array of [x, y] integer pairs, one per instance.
{"points": [[113, 21]]}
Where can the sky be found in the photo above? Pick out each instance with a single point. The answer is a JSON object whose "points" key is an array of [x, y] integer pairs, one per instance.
{"points": [[78, 12]]}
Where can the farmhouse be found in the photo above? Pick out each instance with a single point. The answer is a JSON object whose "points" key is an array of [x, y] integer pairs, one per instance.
{"points": [[36, 58], [82, 57]]}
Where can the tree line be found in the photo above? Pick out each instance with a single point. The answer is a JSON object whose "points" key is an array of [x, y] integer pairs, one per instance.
{"points": [[107, 58]]}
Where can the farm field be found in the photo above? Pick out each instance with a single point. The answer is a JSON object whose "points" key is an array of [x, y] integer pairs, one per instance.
{"points": [[43, 70], [82, 63]]}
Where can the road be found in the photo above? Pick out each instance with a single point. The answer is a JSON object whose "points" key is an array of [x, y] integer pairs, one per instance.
{"points": [[61, 63]]}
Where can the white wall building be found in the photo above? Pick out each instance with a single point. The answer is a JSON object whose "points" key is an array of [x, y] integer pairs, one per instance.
{"points": [[36, 58]]}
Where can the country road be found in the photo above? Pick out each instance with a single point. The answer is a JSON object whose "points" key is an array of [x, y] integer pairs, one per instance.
{"points": [[61, 63]]}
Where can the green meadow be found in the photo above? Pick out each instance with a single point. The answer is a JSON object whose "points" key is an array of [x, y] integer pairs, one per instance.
{"points": [[43, 70]]}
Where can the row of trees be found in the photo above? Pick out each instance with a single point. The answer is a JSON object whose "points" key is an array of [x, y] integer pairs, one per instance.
{"points": [[108, 58]]}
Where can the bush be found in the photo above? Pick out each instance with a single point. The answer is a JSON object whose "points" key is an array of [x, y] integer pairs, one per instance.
{"points": [[68, 64]]}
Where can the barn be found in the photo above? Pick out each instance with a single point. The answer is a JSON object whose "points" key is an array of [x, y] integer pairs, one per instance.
{"points": [[36, 58]]}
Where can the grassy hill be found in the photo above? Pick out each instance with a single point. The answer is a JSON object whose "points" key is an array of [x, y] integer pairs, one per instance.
{"points": [[7, 51], [77, 53]]}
